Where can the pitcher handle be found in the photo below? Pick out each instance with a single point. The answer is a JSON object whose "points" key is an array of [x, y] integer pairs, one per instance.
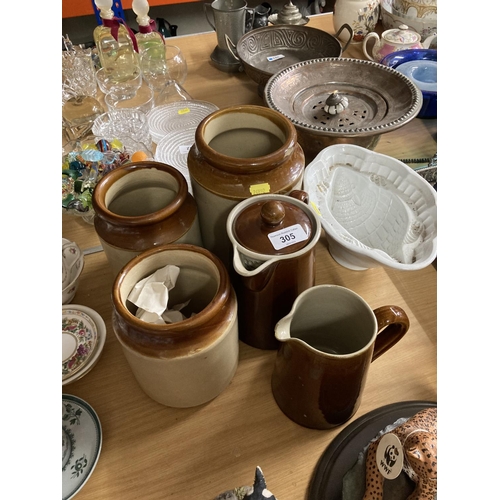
{"points": [[351, 34], [231, 46], [393, 323], [374, 35], [205, 5], [252, 13]]}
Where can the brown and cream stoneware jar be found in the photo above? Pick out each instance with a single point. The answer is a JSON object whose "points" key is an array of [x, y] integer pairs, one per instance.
{"points": [[239, 152], [189, 362], [142, 205]]}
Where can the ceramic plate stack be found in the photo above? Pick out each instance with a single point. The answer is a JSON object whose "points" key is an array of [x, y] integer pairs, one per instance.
{"points": [[81, 444], [173, 127], [83, 337]]}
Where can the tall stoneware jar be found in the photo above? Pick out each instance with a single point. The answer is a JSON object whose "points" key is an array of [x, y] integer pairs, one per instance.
{"points": [[240, 152], [188, 362], [361, 15], [142, 205]]}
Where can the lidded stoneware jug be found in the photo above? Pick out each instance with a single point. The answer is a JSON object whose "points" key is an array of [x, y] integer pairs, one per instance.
{"points": [[239, 152], [142, 205], [273, 238], [188, 362]]}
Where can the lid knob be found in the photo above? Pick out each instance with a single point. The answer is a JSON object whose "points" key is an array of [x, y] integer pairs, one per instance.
{"points": [[272, 213], [336, 103]]}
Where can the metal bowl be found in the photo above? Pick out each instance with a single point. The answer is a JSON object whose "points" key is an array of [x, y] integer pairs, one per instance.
{"points": [[266, 51], [374, 99]]}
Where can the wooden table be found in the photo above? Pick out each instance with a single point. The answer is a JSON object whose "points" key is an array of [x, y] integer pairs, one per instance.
{"points": [[154, 452]]}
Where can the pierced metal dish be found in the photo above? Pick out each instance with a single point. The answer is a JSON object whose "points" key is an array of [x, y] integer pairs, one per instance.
{"points": [[265, 51], [363, 100]]}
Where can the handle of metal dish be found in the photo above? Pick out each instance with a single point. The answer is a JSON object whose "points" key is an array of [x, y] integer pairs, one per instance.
{"points": [[351, 34], [231, 46], [205, 8]]}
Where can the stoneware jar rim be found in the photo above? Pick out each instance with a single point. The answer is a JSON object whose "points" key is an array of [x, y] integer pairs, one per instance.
{"points": [[256, 164], [151, 218]]}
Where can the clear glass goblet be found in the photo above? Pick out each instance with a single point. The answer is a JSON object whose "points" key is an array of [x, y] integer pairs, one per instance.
{"points": [[164, 69], [122, 81]]}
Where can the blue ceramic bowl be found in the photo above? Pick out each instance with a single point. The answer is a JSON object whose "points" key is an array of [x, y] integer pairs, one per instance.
{"points": [[429, 106]]}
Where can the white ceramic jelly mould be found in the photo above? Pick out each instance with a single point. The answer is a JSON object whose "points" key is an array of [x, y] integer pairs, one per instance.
{"points": [[375, 210]]}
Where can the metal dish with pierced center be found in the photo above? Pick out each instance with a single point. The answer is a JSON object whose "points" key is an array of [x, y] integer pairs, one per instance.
{"points": [[342, 101]]}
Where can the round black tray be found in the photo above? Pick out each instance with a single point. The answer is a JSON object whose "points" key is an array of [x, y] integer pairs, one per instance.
{"points": [[342, 453]]}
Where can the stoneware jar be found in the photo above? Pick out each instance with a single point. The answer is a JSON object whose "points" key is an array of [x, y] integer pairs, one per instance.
{"points": [[273, 238], [142, 205], [239, 152], [189, 362]]}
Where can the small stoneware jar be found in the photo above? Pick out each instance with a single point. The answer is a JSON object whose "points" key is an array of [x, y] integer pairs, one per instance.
{"points": [[273, 238], [188, 362], [142, 205], [239, 152]]}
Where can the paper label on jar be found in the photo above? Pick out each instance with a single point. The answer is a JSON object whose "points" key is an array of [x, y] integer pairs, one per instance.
{"points": [[287, 236], [260, 188], [390, 456], [184, 150], [275, 58]]}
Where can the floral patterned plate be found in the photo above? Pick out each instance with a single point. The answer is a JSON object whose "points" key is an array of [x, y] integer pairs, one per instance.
{"points": [[81, 444], [79, 338], [96, 353]]}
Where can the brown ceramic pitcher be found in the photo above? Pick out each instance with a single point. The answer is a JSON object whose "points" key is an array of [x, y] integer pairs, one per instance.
{"points": [[328, 341]]}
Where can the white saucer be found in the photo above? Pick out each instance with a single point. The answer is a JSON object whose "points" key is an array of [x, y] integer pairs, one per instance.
{"points": [[97, 351], [173, 150], [81, 444]]}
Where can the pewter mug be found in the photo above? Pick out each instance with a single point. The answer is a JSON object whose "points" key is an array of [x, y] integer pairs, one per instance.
{"points": [[229, 20], [328, 341]]}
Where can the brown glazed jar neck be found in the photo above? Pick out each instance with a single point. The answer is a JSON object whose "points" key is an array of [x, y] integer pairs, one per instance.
{"points": [[235, 165], [104, 185], [136, 233], [179, 338]]}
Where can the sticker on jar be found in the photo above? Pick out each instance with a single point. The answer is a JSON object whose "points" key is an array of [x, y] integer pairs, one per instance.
{"points": [[260, 188], [390, 456], [184, 150], [275, 58], [183, 111], [287, 236]]}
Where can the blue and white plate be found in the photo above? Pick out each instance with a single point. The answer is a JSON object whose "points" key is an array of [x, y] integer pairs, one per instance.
{"points": [[81, 444]]}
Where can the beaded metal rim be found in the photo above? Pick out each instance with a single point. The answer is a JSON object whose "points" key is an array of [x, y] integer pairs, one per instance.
{"points": [[385, 127]]}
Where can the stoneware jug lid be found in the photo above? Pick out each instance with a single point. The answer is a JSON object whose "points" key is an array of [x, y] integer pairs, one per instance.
{"points": [[401, 35], [273, 227]]}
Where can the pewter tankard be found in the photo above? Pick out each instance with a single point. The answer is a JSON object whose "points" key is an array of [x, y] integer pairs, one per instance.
{"points": [[229, 20]]}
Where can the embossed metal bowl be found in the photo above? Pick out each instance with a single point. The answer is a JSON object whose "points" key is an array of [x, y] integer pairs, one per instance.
{"points": [[265, 51], [341, 100], [375, 210]]}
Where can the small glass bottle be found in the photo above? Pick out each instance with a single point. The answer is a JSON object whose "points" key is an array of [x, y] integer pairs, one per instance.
{"points": [[115, 42], [147, 36]]}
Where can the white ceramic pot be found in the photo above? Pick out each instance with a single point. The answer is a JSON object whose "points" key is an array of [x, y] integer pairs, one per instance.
{"points": [[189, 362]]}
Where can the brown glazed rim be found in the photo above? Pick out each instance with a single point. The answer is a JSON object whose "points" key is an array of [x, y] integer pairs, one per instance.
{"points": [[263, 163], [100, 191], [154, 332]]}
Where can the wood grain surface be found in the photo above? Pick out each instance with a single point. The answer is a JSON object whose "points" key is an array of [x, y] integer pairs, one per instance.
{"points": [[154, 452]]}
